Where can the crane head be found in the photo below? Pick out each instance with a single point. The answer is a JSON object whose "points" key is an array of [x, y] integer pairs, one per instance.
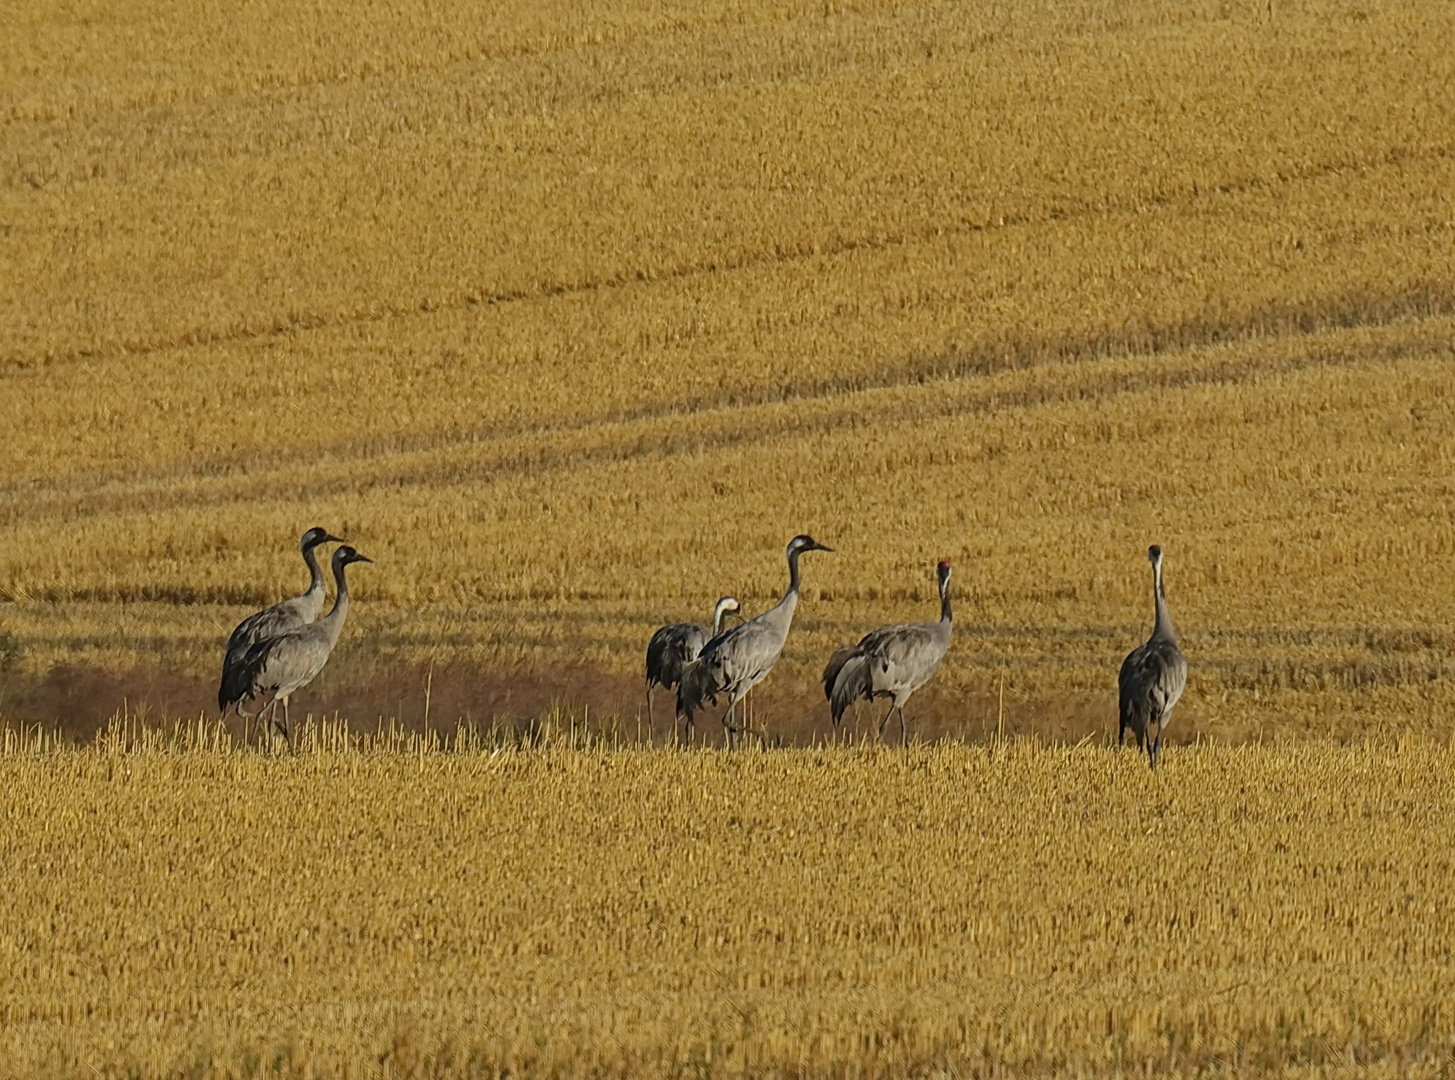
{"points": [[346, 555], [317, 535], [1155, 554], [804, 542]]}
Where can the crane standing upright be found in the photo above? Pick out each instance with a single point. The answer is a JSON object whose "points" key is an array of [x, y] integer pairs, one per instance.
{"points": [[1152, 676], [735, 661], [282, 617]]}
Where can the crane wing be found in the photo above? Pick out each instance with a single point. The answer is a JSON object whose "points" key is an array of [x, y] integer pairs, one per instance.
{"points": [[261, 625], [908, 655], [1152, 678], [671, 649], [286, 662]]}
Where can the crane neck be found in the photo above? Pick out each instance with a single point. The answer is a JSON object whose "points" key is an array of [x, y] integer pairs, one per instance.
{"points": [[1162, 629], [792, 573], [335, 617], [315, 572], [945, 615]]}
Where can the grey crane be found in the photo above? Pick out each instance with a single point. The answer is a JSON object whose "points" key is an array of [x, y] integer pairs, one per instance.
{"points": [[675, 646], [737, 660], [272, 621], [891, 662], [1152, 676], [277, 667]]}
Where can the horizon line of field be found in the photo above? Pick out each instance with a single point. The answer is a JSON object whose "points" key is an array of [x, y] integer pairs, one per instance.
{"points": [[156, 489], [780, 255]]}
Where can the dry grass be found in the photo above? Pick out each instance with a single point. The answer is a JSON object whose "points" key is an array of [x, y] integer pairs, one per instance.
{"points": [[385, 906], [571, 315]]}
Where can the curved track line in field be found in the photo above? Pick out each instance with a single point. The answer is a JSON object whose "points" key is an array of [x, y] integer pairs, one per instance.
{"points": [[714, 430], [780, 255], [1319, 315]]}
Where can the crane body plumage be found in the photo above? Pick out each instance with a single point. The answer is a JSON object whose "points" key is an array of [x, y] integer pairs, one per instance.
{"points": [[1153, 676], [891, 662], [282, 617], [275, 668], [737, 660], [675, 646]]}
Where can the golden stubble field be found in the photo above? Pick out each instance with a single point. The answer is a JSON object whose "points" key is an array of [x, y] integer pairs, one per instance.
{"points": [[571, 315], [391, 908]]}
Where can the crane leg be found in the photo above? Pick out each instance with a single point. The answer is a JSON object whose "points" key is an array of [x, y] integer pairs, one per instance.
{"points": [[247, 716], [903, 728], [729, 726], [267, 730], [883, 724], [287, 727], [1154, 747], [649, 706]]}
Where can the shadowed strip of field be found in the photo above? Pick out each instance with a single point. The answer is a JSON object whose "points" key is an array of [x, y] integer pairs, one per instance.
{"points": [[79, 701]]}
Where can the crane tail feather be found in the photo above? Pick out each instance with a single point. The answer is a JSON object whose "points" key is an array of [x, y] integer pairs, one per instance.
{"points": [[842, 655], [694, 689], [851, 683]]}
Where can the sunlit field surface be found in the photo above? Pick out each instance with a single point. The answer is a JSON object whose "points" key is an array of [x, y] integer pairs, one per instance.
{"points": [[388, 907], [571, 315]]}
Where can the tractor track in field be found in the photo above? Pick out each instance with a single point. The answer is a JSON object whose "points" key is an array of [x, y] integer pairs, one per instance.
{"points": [[280, 326], [941, 388]]}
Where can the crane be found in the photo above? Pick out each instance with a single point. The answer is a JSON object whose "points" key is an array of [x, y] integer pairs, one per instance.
{"points": [[270, 622], [275, 668], [675, 646], [1152, 676], [736, 660], [891, 662]]}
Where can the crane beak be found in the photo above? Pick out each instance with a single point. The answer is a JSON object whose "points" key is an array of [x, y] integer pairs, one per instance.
{"points": [[821, 547], [361, 558], [330, 538]]}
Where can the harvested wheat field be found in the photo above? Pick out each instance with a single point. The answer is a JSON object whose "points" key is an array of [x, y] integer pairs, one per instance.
{"points": [[390, 908], [570, 315]]}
